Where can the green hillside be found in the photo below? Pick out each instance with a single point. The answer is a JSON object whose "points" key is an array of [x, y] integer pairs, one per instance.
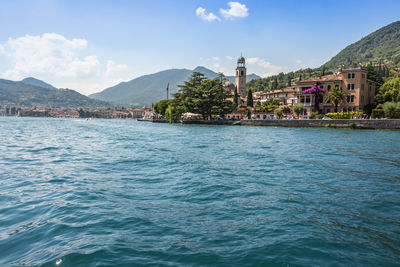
{"points": [[381, 46], [22, 94], [151, 88]]}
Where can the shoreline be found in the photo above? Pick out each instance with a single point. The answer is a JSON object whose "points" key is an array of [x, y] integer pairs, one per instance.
{"points": [[389, 124]]}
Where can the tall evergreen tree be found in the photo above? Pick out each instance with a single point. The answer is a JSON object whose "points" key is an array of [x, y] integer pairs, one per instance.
{"points": [[235, 98], [249, 98]]}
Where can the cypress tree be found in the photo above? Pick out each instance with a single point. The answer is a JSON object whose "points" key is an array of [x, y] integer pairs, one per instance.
{"points": [[235, 97], [249, 98]]}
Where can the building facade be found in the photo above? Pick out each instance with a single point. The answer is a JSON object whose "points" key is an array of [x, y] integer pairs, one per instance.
{"points": [[359, 91]]}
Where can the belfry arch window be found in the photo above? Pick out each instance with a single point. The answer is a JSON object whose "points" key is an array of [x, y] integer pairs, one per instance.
{"points": [[241, 73]]}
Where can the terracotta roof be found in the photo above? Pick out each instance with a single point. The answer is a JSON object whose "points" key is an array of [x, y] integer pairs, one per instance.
{"points": [[325, 78]]}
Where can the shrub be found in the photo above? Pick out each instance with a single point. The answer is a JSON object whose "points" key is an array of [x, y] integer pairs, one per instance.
{"points": [[278, 112], [314, 115], [378, 113], [345, 115], [392, 110], [298, 109]]}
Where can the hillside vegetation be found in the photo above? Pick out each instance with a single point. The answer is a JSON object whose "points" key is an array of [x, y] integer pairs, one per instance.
{"points": [[379, 50], [23, 94]]}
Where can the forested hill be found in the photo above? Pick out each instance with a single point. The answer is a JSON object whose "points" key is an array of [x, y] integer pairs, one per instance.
{"points": [[380, 47], [29, 95]]}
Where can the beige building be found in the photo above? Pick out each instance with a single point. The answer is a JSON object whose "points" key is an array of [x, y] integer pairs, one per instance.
{"points": [[353, 81]]}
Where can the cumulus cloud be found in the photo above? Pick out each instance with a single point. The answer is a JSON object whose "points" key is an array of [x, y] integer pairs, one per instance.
{"points": [[59, 60], [49, 53], [202, 13], [229, 57], [270, 68], [236, 10]]}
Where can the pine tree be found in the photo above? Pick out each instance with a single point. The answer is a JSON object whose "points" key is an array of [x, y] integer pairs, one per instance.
{"points": [[249, 98]]}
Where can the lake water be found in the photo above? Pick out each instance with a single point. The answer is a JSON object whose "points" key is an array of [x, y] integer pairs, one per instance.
{"points": [[122, 192]]}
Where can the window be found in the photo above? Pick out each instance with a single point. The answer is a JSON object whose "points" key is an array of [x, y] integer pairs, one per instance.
{"points": [[363, 75], [351, 75], [362, 87], [362, 98], [328, 110], [329, 87], [350, 99], [350, 86], [241, 73]]}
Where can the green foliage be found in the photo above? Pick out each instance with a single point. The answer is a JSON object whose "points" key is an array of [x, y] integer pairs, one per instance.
{"points": [[314, 115], [161, 106], [249, 98], [203, 96], [335, 96], [392, 110], [382, 44], [173, 112], [378, 113], [345, 115], [381, 49], [235, 97], [270, 105], [298, 109], [278, 113], [389, 91]]}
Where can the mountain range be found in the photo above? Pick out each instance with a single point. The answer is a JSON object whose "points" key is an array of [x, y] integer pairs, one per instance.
{"points": [[33, 92], [151, 88], [382, 45]]}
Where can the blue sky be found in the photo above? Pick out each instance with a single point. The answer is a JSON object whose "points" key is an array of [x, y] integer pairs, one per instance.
{"points": [[90, 45]]}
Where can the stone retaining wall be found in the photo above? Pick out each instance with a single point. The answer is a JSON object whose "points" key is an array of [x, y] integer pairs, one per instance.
{"points": [[356, 124]]}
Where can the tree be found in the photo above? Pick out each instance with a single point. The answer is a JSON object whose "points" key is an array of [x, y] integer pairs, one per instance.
{"points": [[278, 112], [317, 91], [389, 91], [335, 96], [249, 98], [161, 106], [235, 98], [298, 109]]}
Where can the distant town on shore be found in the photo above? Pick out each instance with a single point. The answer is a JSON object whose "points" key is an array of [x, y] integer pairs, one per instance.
{"points": [[362, 81]]}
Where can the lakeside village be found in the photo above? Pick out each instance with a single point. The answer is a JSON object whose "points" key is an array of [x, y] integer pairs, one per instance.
{"points": [[350, 93]]}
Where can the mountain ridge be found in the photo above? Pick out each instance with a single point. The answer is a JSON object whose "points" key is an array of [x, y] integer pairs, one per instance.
{"points": [[28, 95], [151, 88]]}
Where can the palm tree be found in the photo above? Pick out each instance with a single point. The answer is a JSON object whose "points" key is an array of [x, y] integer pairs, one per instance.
{"points": [[335, 96]]}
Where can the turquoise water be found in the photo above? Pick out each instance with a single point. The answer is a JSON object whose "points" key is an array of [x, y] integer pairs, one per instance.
{"points": [[121, 192]]}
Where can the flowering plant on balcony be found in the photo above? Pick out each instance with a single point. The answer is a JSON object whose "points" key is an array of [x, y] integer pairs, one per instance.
{"points": [[317, 91]]}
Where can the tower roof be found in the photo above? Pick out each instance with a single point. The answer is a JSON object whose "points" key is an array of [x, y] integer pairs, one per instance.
{"points": [[241, 60]]}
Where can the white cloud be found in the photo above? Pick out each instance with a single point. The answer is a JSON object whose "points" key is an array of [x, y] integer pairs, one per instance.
{"points": [[49, 53], [271, 69], [229, 58], [113, 68], [298, 61], [202, 13], [60, 61], [236, 10]]}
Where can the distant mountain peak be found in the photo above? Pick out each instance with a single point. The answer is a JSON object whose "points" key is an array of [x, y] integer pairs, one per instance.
{"points": [[37, 82]]}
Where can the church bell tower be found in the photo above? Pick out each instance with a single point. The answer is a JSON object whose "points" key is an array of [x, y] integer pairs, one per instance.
{"points": [[241, 77]]}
